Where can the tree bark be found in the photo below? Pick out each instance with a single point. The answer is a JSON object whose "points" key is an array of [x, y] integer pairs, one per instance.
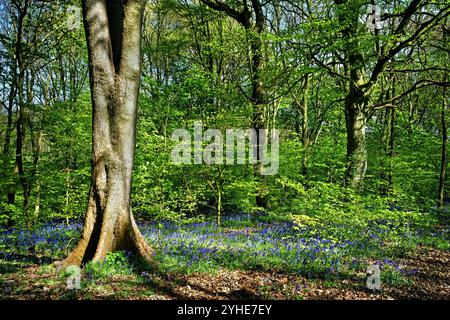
{"points": [[305, 129], [113, 32], [37, 143], [444, 147], [356, 144], [18, 75], [444, 157], [356, 99], [10, 196], [388, 143], [259, 106]]}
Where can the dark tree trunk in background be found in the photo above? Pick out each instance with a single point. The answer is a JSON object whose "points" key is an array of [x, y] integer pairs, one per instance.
{"points": [[17, 91], [306, 136], [10, 196], [255, 30], [258, 99], [113, 32], [444, 110], [8, 133], [444, 156], [388, 141], [36, 141]]}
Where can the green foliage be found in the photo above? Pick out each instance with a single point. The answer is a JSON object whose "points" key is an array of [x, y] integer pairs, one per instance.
{"points": [[199, 64], [115, 263]]}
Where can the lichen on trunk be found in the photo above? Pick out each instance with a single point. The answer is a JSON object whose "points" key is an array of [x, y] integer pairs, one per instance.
{"points": [[356, 145]]}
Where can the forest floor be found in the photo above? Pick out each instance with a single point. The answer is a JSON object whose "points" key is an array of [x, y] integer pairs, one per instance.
{"points": [[432, 281], [242, 261]]}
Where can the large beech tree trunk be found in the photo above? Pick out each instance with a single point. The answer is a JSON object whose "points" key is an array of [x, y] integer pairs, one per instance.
{"points": [[113, 32]]}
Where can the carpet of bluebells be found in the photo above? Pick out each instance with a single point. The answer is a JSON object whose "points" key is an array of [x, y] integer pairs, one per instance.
{"points": [[245, 242]]}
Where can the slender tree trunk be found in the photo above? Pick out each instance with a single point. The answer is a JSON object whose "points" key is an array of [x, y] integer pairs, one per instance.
{"points": [[219, 204], [259, 100], [391, 147], [36, 141], [305, 129], [67, 199], [19, 168], [258, 123], [115, 71], [10, 196], [444, 156], [388, 141], [9, 110], [36, 156], [8, 133], [17, 90], [409, 126], [24, 120], [19, 172], [255, 30]]}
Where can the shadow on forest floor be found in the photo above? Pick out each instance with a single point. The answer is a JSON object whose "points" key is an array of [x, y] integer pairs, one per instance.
{"points": [[32, 259], [203, 286], [9, 267], [442, 215]]}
